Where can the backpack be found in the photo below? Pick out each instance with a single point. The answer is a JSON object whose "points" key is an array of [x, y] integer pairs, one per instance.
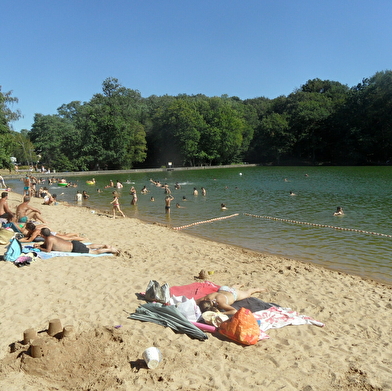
{"points": [[14, 250]]}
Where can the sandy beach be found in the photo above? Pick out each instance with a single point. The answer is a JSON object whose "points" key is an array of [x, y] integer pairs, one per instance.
{"points": [[96, 295]]}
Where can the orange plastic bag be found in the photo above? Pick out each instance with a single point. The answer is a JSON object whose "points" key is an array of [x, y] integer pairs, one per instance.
{"points": [[242, 327]]}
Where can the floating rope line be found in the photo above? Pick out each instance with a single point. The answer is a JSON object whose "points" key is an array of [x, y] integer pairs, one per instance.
{"points": [[318, 225], [206, 221]]}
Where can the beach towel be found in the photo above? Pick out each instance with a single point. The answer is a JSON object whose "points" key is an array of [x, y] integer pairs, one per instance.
{"points": [[253, 303], [45, 255], [277, 317], [195, 290]]}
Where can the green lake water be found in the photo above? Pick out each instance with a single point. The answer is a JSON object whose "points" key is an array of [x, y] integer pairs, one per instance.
{"points": [[365, 194]]}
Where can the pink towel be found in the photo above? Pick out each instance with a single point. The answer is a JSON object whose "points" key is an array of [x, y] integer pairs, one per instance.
{"points": [[195, 290]]}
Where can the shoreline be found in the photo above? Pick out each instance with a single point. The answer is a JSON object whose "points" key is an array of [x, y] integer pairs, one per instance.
{"points": [[107, 213], [131, 170], [96, 295]]}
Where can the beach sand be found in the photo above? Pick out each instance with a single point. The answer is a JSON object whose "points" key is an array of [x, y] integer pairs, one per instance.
{"points": [[97, 294]]}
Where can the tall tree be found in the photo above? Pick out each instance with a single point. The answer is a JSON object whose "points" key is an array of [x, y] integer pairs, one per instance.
{"points": [[7, 115], [113, 136]]}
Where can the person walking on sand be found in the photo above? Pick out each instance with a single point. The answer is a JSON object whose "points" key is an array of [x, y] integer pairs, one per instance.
{"points": [[116, 205]]}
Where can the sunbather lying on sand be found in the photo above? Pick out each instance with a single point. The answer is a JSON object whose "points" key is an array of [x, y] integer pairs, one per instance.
{"points": [[54, 243], [223, 299], [31, 232]]}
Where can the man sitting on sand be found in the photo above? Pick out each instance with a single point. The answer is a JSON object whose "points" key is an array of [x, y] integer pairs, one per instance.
{"points": [[57, 244], [4, 208], [24, 212], [223, 299]]}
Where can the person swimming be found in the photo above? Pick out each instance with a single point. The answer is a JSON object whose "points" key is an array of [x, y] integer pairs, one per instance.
{"points": [[339, 211]]}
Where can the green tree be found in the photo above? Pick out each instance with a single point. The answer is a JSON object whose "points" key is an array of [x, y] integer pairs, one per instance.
{"points": [[24, 149], [178, 128], [276, 137], [112, 134], [7, 115], [54, 139]]}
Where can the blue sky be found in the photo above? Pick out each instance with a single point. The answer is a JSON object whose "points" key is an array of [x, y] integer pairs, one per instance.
{"points": [[55, 52]]}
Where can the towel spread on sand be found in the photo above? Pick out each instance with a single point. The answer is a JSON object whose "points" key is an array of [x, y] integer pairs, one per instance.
{"points": [[195, 290], [44, 255], [52, 254], [277, 317]]}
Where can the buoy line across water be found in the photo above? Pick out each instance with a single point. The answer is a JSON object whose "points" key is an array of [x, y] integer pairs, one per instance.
{"points": [[205, 221], [318, 225]]}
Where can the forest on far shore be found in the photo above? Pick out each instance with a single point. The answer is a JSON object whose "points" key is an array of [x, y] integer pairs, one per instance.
{"points": [[321, 122]]}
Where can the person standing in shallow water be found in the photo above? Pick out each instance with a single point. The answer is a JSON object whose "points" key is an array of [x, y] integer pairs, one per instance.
{"points": [[116, 205], [168, 199]]}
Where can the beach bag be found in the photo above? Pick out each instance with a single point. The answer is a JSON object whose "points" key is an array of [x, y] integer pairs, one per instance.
{"points": [[155, 292], [242, 327], [14, 251], [5, 235]]}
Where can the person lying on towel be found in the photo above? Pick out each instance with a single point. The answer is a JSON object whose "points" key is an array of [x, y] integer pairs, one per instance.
{"points": [[224, 297], [54, 243]]}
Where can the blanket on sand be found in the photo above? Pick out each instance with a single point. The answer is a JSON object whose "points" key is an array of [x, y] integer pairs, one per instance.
{"points": [[195, 290], [44, 255], [277, 317]]}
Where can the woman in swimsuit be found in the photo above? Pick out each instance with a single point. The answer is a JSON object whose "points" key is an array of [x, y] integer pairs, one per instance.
{"points": [[116, 205], [223, 299]]}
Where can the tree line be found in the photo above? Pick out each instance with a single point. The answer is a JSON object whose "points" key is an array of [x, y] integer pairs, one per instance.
{"points": [[321, 122]]}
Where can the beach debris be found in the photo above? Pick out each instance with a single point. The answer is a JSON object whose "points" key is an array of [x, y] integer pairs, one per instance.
{"points": [[152, 357]]}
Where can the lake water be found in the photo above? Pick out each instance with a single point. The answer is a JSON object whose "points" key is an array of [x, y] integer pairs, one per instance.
{"points": [[365, 194]]}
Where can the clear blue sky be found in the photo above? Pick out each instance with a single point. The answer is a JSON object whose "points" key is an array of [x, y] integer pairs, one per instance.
{"points": [[54, 51]]}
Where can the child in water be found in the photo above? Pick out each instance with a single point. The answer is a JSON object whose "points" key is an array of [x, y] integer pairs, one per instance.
{"points": [[116, 205]]}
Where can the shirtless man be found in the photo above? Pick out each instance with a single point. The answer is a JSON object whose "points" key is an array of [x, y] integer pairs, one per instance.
{"points": [[223, 299], [4, 208], [24, 212], [168, 199], [27, 183], [57, 244], [32, 232]]}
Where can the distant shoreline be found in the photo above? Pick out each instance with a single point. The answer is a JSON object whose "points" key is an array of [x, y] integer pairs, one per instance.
{"points": [[132, 170]]}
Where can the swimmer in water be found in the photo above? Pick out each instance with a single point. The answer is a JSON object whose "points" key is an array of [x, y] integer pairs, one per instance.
{"points": [[339, 211]]}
